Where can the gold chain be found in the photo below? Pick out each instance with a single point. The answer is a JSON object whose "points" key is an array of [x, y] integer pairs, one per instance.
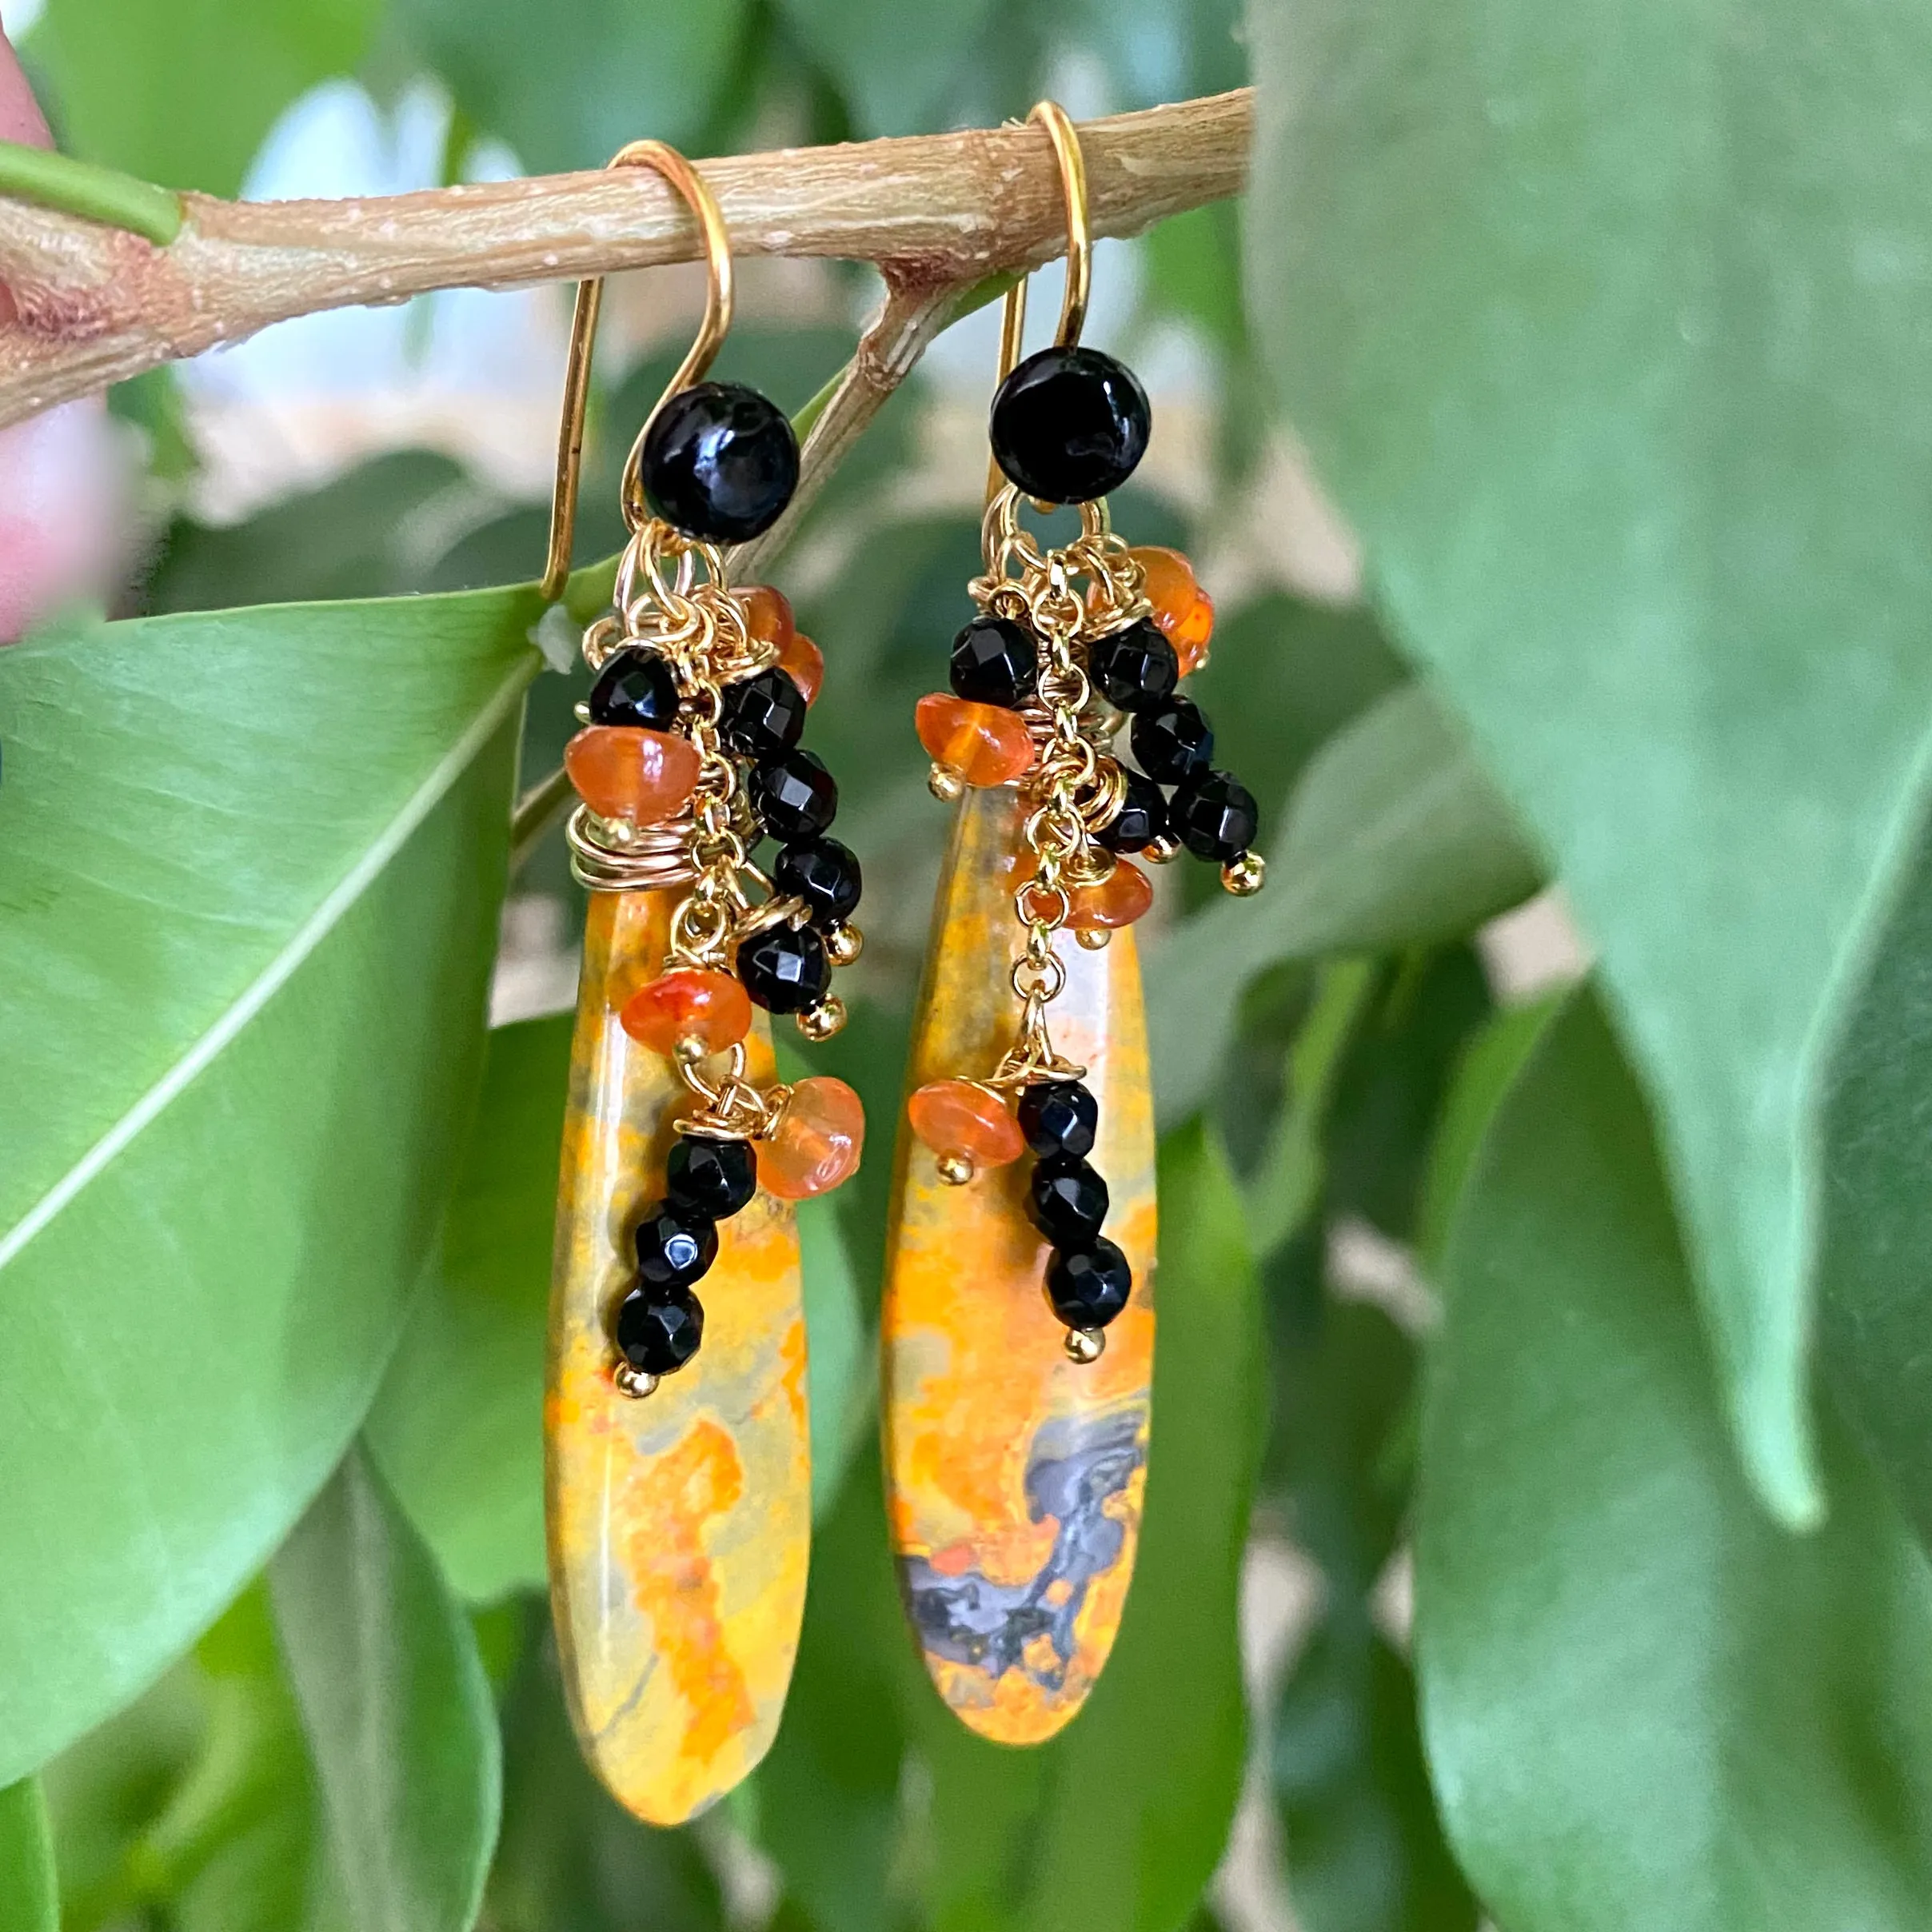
{"points": [[671, 595], [1075, 788]]}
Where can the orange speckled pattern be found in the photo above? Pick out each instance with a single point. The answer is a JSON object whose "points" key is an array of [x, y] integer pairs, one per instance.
{"points": [[680, 1525], [1016, 1477]]}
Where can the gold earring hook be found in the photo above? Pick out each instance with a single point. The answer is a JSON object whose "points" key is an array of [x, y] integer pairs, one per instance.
{"points": [[1072, 164], [689, 184]]}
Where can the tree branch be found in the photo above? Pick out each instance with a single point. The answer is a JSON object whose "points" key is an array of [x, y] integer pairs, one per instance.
{"points": [[937, 214]]}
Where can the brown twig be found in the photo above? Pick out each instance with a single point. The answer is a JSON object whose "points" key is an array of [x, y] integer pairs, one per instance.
{"points": [[96, 304]]}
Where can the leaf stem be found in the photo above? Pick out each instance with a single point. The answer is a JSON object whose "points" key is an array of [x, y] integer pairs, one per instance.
{"points": [[97, 194]]}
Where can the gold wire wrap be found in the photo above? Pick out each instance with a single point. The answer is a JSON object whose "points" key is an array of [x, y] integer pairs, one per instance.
{"points": [[667, 161]]}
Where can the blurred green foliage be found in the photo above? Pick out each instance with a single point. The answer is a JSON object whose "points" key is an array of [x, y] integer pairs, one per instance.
{"points": [[1508, 1288]]}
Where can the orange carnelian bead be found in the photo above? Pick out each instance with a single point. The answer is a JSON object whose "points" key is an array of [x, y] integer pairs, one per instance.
{"points": [[768, 614], [689, 1004], [804, 662], [624, 772], [817, 1142], [1193, 633], [1118, 899], [984, 744], [959, 1117], [1184, 610]]}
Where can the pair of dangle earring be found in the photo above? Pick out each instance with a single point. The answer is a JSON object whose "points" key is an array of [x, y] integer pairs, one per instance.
{"points": [[1017, 1329], [677, 1457]]}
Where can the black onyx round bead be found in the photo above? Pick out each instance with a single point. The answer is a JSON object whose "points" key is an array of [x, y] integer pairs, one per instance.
{"points": [[656, 1334], [1172, 741], [1067, 1201], [1135, 669], [1142, 818], [763, 717], [784, 968], [714, 1178], [824, 874], [1059, 1118], [1070, 425], [1214, 815], [1087, 1286], [794, 796], [994, 662], [675, 1246], [720, 462], [635, 687]]}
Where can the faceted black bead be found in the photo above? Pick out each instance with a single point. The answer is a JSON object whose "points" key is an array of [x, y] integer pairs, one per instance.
{"points": [[709, 1177], [657, 1334], [1059, 1117], [1142, 817], [675, 1245], [994, 662], [1067, 1201], [1087, 1286], [1172, 741], [824, 874], [1135, 669], [1070, 425], [784, 968], [635, 687], [720, 462], [764, 716], [1215, 816], [795, 796]]}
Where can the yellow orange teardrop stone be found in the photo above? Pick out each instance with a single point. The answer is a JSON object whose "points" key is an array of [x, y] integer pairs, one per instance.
{"points": [[679, 1524], [1016, 1476]]}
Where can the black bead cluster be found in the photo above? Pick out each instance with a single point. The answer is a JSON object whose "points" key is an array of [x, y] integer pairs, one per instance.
{"points": [[1088, 1280], [786, 969], [660, 1323], [1210, 812]]}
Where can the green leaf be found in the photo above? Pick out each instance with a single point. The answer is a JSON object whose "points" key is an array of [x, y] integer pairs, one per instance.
{"points": [[397, 1709], [1876, 1215], [894, 64], [840, 1366], [1647, 1707], [1394, 838], [183, 95], [353, 537], [457, 1430], [1604, 370], [1365, 1852], [568, 83], [571, 1860], [249, 872], [30, 1895], [1364, 1847]]}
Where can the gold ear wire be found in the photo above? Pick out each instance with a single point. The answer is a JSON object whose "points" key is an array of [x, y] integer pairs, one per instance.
{"points": [[1072, 164], [667, 161]]}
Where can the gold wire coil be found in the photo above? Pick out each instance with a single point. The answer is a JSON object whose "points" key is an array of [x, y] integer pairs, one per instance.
{"points": [[651, 859]]}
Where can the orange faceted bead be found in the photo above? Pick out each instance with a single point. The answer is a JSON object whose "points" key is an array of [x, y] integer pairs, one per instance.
{"points": [[960, 1117], [984, 744], [1184, 610], [624, 772], [689, 1004], [1118, 899], [804, 662], [817, 1142], [768, 614]]}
